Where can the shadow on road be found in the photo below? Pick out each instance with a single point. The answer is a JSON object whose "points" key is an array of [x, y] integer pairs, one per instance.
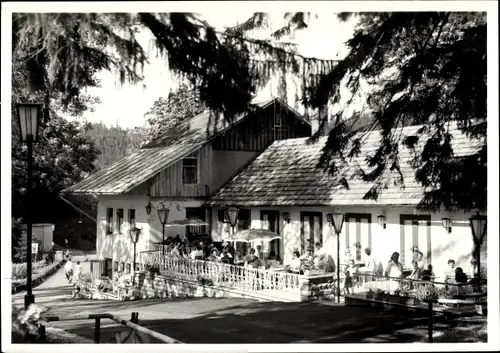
{"points": [[281, 323]]}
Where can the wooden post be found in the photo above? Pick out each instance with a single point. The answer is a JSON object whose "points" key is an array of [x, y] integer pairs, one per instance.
{"points": [[97, 331], [430, 321]]}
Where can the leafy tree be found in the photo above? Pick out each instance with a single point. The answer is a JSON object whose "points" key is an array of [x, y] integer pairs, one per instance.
{"points": [[63, 157], [421, 68], [63, 51], [166, 113]]}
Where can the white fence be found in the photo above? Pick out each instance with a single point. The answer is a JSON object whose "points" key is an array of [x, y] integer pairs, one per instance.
{"points": [[220, 274]]}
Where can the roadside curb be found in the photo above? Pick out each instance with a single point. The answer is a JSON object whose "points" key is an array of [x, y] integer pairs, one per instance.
{"points": [[40, 278]]}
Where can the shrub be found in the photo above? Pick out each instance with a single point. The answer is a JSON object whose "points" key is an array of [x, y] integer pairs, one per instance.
{"points": [[26, 323], [49, 257], [19, 271]]}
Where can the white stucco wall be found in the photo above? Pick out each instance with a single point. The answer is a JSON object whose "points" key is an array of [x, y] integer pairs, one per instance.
{"points": [[119, 246], [456, 245]]}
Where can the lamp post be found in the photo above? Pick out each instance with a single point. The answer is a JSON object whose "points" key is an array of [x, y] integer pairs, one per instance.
{"points": [[134, 233], [478, 228], [28, 124], [163, 216], [337, 220], [232, 214]]}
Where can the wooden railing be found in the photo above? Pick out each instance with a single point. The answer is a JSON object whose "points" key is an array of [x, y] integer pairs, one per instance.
{"points": [[132, 324], [220, 274]]}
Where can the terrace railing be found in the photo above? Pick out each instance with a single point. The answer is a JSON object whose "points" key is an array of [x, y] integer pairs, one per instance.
{"points": [[221, 274], [411, 288]]}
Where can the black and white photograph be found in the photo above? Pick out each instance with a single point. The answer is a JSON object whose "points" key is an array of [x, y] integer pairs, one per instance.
{"points": [[250, 176]]}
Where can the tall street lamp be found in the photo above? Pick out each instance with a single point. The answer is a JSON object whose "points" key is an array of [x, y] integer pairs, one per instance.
{"points": [[337, 219], [29, 126], [163, 216], [134, 234], [478, 227]]}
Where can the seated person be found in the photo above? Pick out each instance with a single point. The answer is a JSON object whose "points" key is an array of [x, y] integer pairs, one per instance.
{"points": [[295, 266], [214, 256], [226, 256], [461, 287], [252, 260], [449, 274], [197, 253], [416, 271], [238, 259], [428, 274], [175, 251], [319, 256]]}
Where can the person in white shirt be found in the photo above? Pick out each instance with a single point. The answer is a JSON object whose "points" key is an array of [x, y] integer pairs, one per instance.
{"points": [[394, 270], [197, 253], [419, 257], [68, 270], [77, 271], [175, 251], [319, 256], [296, 262]]}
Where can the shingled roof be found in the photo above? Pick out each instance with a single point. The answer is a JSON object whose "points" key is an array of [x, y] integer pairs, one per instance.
{"points": [[164, 151], [286, 174]]}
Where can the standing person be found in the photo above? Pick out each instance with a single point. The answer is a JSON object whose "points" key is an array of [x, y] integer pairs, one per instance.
{"points": [[68, 269], [350, 274], [77, 271], [177, 239], [472, 269], [394, 270]]}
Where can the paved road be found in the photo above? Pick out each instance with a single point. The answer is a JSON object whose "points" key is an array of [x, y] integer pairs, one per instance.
{"points": [[232, 320]]}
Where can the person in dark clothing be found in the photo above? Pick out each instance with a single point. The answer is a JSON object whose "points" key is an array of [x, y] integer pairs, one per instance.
{"points": [[177, 239]]}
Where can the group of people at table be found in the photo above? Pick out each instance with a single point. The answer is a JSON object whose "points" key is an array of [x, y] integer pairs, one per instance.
{"points": [[210, 252]]}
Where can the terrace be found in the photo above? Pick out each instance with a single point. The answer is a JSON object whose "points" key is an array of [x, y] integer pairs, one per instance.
{"points": [[164, 276]]}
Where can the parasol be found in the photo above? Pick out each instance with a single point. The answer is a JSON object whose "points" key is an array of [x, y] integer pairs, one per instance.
{"points": [[248, 235], [186, 222]]}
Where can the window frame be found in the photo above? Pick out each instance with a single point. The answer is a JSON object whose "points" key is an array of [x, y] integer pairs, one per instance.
{"points": [[203, 217], [131, 216], [119, 219], [191, 157], [109, 220]]}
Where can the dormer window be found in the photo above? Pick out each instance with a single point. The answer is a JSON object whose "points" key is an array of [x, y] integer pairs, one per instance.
{"points": [[190, 169]]}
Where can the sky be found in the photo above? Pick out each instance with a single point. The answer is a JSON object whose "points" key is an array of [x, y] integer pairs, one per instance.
{"points": [[126, 105]]}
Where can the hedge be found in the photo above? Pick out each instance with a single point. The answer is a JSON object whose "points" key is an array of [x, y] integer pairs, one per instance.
{"points": [[39, 278]]}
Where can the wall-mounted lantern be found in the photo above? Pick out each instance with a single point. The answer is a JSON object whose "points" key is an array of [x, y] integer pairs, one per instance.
{"points": [[446, 224], [232, 214], [148, 208], [286, 217], [381, 221]]}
